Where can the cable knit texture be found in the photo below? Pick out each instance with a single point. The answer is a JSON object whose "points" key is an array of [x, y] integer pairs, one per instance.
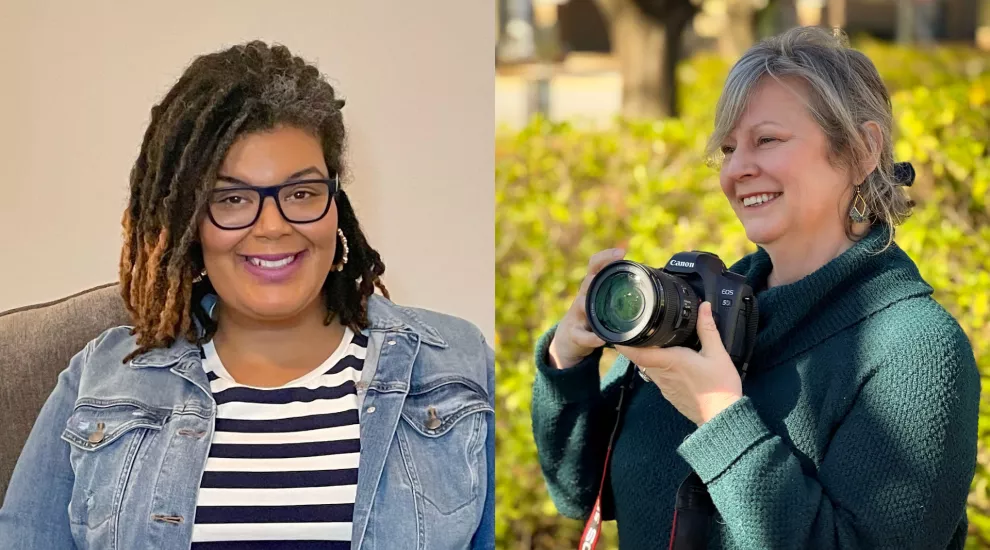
{"points": [[858, 427]]}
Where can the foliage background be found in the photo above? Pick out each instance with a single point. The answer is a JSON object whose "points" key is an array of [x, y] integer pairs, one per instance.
{"points": [[563, 193]]}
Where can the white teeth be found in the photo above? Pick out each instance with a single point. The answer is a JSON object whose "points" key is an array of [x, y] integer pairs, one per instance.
{"points": [[272, 264], [760, 199]]}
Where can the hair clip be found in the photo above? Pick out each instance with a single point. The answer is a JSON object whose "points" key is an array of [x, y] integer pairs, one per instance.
{"points": [[904, 173]]}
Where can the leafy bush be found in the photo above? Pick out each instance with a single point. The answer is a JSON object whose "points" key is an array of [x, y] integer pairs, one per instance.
{"points": [[563, 193]]}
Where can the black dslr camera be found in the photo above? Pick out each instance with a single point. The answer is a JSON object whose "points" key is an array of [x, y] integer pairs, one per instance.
{"points": [[631, 304]]}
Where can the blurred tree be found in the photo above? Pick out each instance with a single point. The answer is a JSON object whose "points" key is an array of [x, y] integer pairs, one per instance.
{"points": [[646, 39]]}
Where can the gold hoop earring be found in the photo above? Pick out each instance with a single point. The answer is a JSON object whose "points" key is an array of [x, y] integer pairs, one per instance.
{"points": [[859, 211], [343, 259]]}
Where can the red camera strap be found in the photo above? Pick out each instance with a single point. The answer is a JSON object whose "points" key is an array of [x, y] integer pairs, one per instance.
{"points": [[688, 531], [593, 527]]}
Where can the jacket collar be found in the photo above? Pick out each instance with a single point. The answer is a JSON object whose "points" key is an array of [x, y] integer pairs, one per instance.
{"points": [[383, 315]]}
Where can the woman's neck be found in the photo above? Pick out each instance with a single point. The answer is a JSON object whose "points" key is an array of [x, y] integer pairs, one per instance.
{"points": [[266, 353], [795, 256]]}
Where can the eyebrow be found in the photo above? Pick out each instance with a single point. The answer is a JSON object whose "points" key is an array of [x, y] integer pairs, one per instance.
{"points": [[755, 126], [296, 175], [764, 123]]}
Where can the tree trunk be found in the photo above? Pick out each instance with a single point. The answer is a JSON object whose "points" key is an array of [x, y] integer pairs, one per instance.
{"points": [[675, 23], [638, 43], [648, 50]]}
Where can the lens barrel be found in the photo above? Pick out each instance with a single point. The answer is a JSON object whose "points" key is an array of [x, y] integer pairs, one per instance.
{"points": [[632, 304]]}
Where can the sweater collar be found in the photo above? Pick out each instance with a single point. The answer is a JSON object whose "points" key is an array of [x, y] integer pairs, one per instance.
{"points": [[859, 282]]}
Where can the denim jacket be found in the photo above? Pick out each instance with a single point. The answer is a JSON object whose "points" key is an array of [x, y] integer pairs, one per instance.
{"points": [[133, 485]]}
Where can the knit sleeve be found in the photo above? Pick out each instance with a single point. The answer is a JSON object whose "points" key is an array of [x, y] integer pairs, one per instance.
{"points": [[573, 413], [896, 473]]}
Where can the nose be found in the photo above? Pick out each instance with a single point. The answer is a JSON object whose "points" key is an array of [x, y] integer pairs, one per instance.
{"points": [[739, 166], [270, 223]]}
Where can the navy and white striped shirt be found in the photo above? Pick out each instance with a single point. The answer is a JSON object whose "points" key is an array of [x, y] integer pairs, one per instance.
{"points": [[283, 465]]}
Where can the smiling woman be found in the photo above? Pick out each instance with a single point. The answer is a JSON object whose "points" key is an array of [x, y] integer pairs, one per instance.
{"points": [[853, 423], [265, 396]]}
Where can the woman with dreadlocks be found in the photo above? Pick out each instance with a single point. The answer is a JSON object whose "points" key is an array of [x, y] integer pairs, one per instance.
{"points": [[265, 396]]}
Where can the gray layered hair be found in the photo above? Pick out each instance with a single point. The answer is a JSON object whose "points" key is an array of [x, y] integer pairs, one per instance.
{"points": [[844, 91]]}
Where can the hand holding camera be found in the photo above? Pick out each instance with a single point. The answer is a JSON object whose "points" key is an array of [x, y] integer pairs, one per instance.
{"points": [[574, 340], [689, 327], [699, 384]]}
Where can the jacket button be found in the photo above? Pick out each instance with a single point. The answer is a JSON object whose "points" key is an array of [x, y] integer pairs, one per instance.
{"points": [[433, 422], [98, 435]]}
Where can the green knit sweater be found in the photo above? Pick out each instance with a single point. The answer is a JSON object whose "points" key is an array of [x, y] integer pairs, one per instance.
{"points": [[858, 427]]}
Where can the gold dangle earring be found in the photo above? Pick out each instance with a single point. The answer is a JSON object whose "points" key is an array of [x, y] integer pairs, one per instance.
{"points": [[859, 211], [343, 258], [200, 277]]}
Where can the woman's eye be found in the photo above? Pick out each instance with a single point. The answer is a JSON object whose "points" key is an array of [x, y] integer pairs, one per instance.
{"points": [[764, 140], [727, 149], [230, 199]]}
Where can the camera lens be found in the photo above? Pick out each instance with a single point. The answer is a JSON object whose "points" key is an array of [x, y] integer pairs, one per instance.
{"points": [[620, 302], [635, 305]]}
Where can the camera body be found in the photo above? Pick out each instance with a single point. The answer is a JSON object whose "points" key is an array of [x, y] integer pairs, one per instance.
{"points": [[636, 305]]}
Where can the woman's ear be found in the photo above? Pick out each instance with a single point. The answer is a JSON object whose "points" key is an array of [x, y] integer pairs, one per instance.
{"points": [[874, 144]]}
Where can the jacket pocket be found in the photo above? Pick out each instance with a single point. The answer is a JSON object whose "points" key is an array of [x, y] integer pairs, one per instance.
{"points": [[442, 440], [106, 437]]}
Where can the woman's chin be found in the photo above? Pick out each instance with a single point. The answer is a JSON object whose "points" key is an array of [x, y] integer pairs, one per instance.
{"points": [[762, 233], [274, 314], [277, 306]]}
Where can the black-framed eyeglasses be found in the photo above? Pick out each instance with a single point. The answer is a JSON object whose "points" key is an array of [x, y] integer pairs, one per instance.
{"points": [[300, 201]]}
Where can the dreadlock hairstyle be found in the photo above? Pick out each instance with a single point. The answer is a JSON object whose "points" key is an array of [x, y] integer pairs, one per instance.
{"points": [[221, 96]]}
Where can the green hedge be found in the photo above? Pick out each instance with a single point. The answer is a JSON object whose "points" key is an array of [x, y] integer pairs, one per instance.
{"points": [[563, 193]]}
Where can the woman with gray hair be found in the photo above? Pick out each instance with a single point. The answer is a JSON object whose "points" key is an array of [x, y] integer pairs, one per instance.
{"points": [[855, 425]]}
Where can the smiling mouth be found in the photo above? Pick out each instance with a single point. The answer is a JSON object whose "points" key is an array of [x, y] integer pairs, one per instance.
{"points": [[759, 200], [273, 263]]}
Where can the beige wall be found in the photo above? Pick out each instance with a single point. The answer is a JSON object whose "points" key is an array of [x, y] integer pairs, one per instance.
{"points": [[78, 80]]}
